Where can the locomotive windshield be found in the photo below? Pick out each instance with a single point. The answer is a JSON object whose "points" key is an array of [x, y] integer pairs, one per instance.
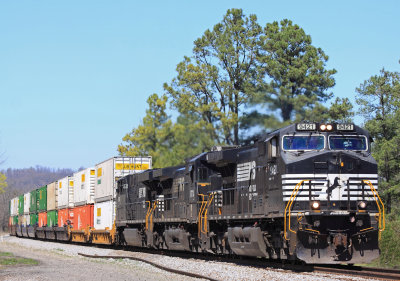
{"points": [[348, 142], [309, 142]]}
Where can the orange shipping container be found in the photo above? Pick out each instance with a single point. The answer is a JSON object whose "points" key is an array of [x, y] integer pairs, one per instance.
{"points": [[83, 217], [64, 215], [42, 219]]}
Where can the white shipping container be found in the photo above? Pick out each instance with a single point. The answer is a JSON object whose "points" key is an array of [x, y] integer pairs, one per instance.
{"points": [[65, 193], [27, 220], [27, 202], [12, 207], [52, 196], [104, 215], [109, 171], [17, 206], [84, 183]]}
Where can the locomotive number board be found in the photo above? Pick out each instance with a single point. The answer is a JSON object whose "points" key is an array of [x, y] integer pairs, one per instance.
{"points": [[306, 126], [345, 127]]}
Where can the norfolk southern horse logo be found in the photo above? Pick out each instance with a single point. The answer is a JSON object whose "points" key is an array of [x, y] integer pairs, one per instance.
{"points": [[333, 186]]}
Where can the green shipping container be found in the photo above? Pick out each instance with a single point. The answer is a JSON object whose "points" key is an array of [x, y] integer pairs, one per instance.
{"points": [[52, 218], [15, 220], [33, 208], [21, 205], [34, 219], [42, 198]]}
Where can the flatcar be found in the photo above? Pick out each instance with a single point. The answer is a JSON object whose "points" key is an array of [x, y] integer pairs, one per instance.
{"points": [[308, 192]]}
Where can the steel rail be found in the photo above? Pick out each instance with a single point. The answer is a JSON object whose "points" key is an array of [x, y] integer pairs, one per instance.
{"points": [[168, 269], [360, 271], [351, 270]]}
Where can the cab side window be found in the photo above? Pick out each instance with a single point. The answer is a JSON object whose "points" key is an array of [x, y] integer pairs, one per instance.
{"points": [[202, 174]]}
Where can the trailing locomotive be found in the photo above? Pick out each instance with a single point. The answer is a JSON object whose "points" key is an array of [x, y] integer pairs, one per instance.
{"points": [[306, 191]]}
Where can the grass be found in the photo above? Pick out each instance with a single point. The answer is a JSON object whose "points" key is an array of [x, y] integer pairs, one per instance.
{"points": [[9, 259], [390, 245]]}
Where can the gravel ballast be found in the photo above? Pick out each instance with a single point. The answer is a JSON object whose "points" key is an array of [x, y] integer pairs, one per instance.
{"points": [[60, 259]]}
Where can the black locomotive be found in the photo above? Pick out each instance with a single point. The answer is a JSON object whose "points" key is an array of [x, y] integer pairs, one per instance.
{"points": [[306, 191]]}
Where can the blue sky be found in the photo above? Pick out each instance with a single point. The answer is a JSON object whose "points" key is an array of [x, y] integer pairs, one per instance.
{"points": [[75, 75]]}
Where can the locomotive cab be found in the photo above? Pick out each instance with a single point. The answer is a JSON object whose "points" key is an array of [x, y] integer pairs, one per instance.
{"points": [[333, 212]]}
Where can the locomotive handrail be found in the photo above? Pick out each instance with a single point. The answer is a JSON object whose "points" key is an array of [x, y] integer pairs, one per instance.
{"points": [[151, 214], [147, 215], [202, 217], [209, 201], [203, 204], [289, 207], [381, 219]]}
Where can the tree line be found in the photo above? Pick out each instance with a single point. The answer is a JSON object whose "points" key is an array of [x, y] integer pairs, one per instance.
{"points": [[243, 78], [15, 182]]}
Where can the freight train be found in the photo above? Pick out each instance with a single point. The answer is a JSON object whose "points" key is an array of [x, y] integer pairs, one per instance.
{"points": [[305, 192]]}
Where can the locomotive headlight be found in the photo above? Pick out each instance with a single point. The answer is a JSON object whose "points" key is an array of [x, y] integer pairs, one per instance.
{"points": [[322, 127], [362, 204], [315, 205], [329, 127]]}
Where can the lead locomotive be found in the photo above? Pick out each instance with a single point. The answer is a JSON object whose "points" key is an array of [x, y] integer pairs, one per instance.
{"points": [[306, 191]]}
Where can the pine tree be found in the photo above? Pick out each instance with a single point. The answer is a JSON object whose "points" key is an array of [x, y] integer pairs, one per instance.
{"points": [[295, 75], [154, 136], [379, 101], [219, 77]]}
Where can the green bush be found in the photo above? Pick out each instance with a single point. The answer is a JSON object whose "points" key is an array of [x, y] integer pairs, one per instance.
{"points": [[390, 244]]}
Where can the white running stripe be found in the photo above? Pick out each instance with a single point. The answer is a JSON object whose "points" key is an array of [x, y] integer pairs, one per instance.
{"points": [[319, 186]]}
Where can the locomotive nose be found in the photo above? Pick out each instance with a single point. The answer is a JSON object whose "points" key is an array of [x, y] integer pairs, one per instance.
{"points": [[336, 163]]}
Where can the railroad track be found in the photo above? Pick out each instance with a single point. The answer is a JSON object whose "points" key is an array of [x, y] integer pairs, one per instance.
{"points": [[359, 271], [349, 270]]}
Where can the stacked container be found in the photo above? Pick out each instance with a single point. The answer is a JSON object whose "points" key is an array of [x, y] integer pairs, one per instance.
{"points": [[52, 219], [21, 221], [83, 217], [65, 193], [25, 218], [86, 200], [84, 184], [33, 208], [42, 206], [34, 219], [107, 174], [14, 210], [65, 215], [65, 200], [27, 202]]}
